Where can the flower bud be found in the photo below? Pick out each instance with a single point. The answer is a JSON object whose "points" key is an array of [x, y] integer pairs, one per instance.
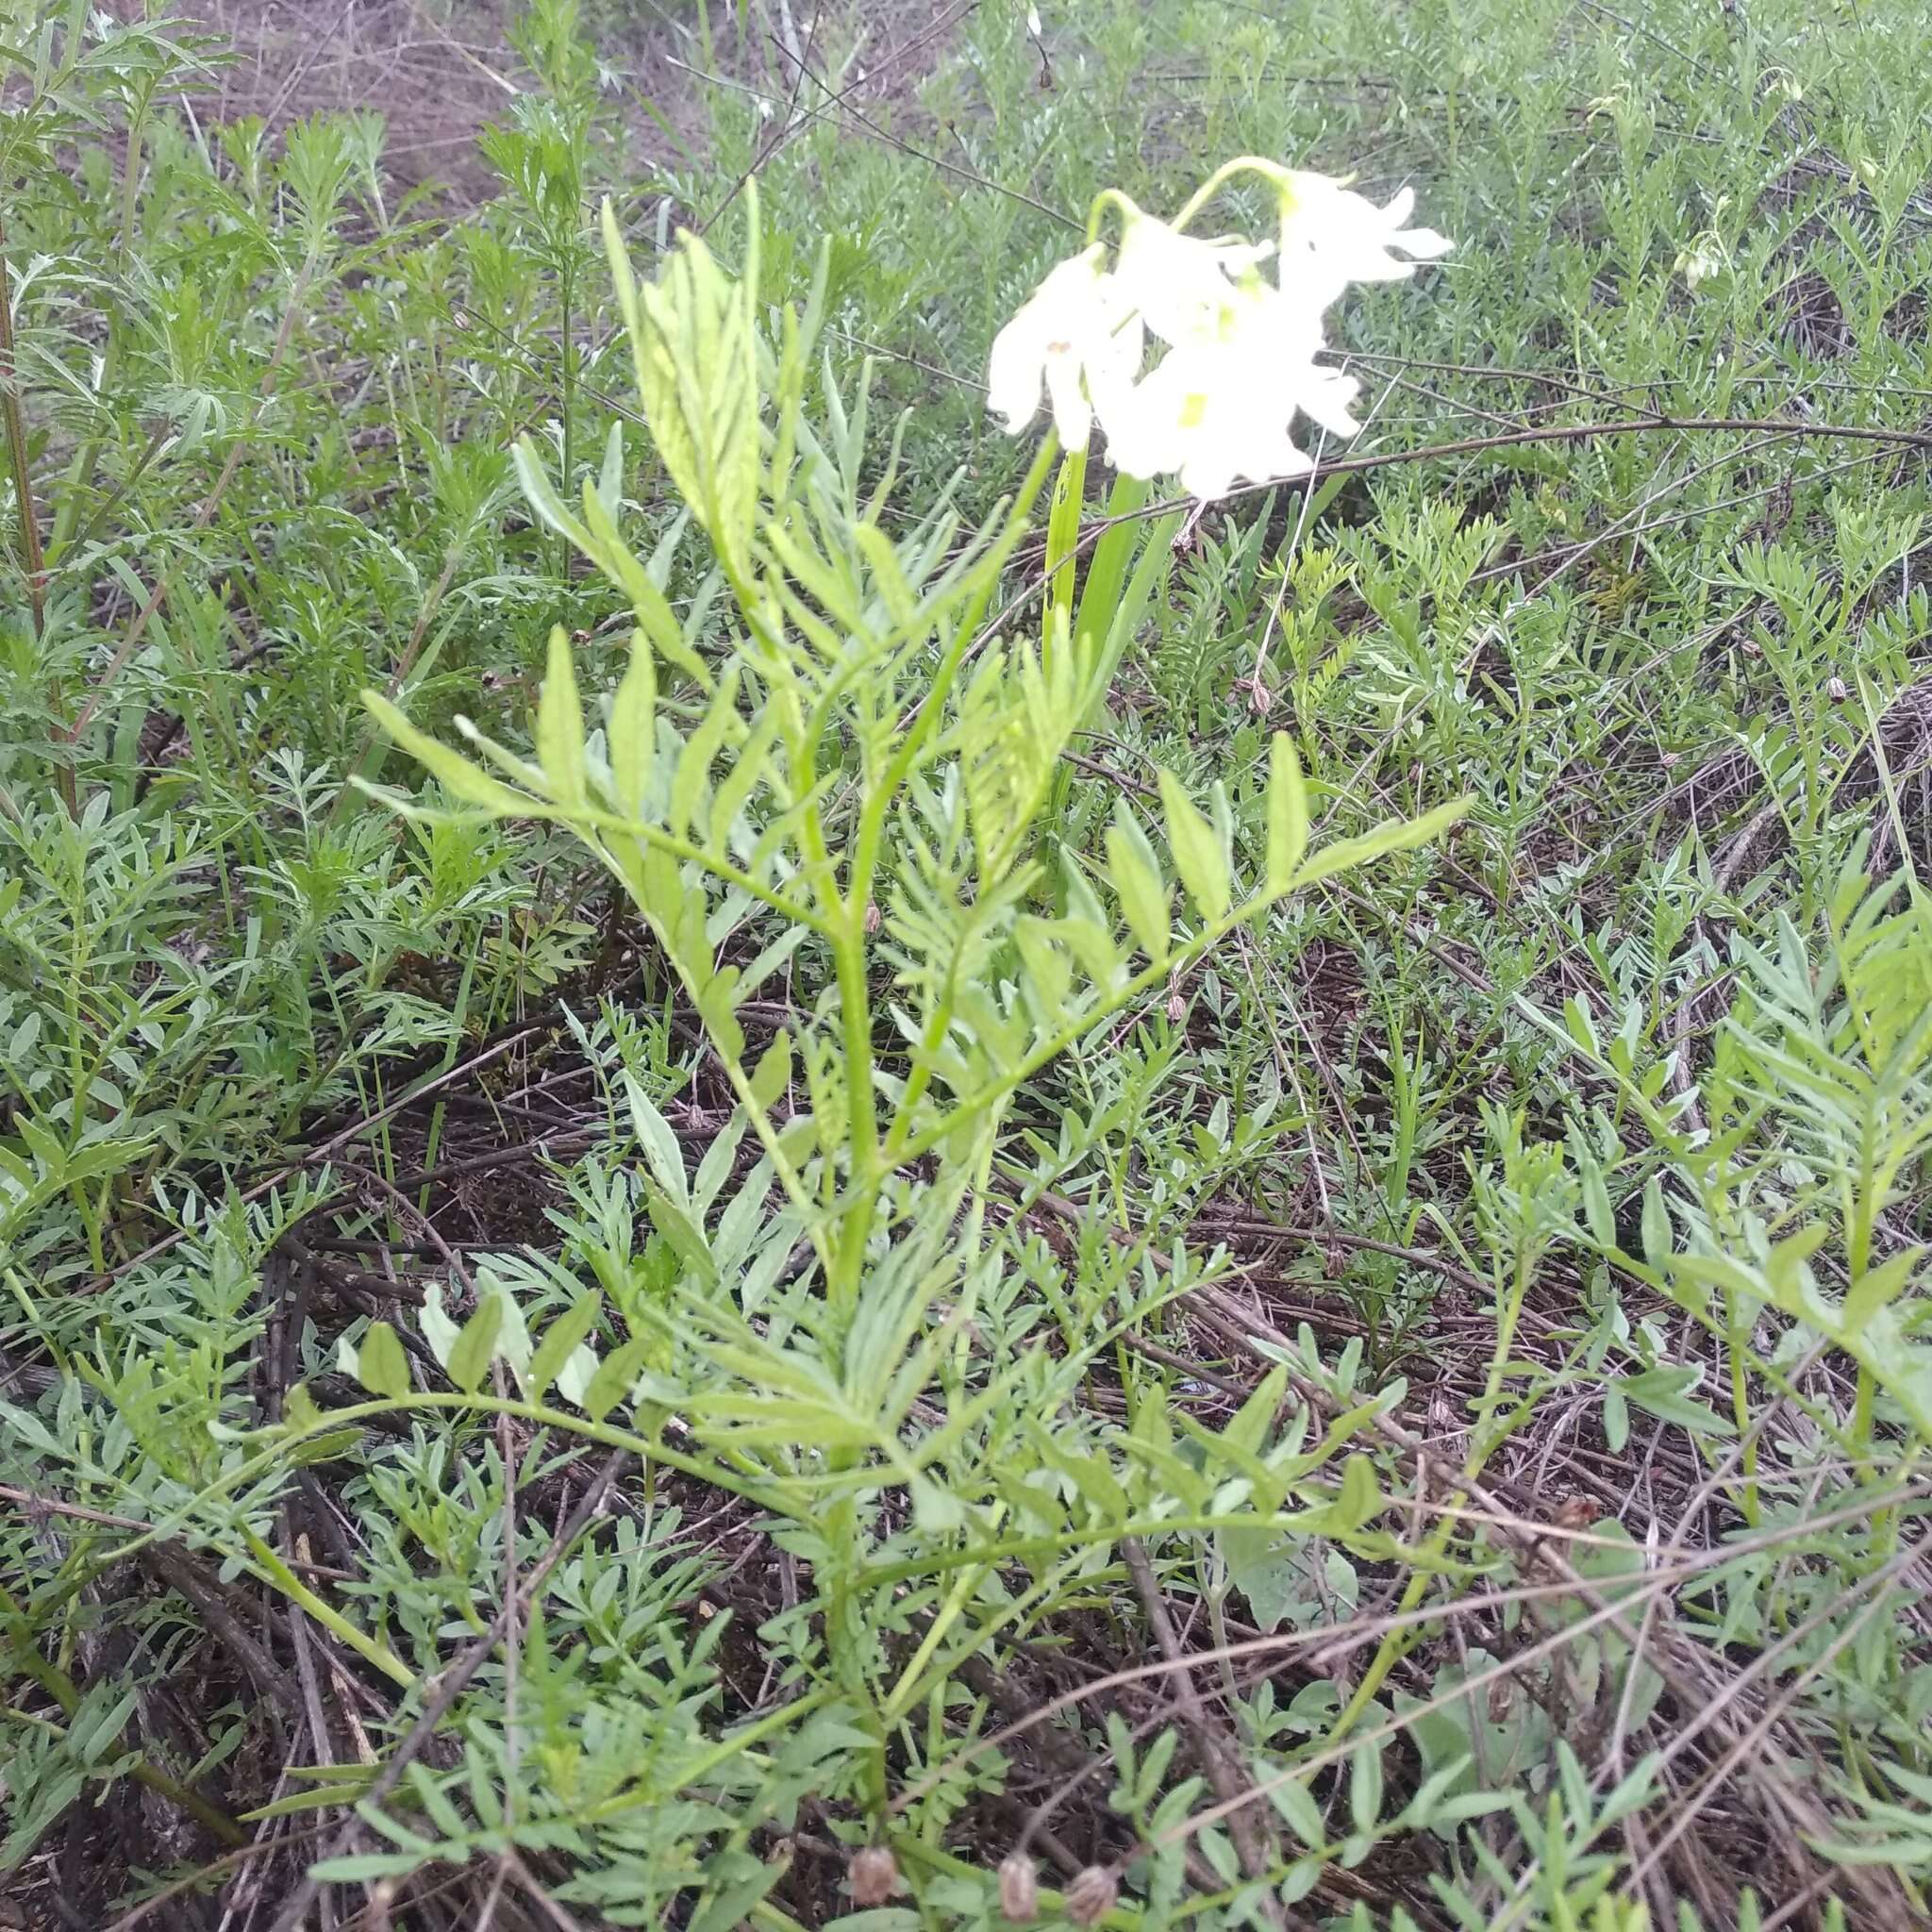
{"points": [[1837, 689], [871, 917], [1019, 1889], [1092, 1895], [872, 1877]]}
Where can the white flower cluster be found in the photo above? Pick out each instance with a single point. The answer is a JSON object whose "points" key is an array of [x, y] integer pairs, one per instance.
{"points": [[1239, 365]]}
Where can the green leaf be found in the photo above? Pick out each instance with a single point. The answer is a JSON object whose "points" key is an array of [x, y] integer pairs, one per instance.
{"points": [[1299, 1811], [1062, 541], [1197, 854], [1357, 1500], [616, 1376], [1616, 1420], [450, 768], [649, 606], [611, 478], [1288, 812], [717, 1009], [694, 761], [1398, 835], [936, 1511], [1049, 973], [633, 735], [559, 1342], [1101, 602], [439, 1331], [1365, 1785], [1878, 1288], [773, 1073], [1659, 1238], [382, 1366], [1136, 877], [1596, 1205], [660, 1145], [695, 357], [561, 725], [541, 496], [1665, 1393], [470, 1359]]}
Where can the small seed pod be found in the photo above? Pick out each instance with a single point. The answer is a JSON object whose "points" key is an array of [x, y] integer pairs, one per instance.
{"points": [[872, 916], [1837, 689], [872, 1877], [1019, 1889], [1092, 1895]]}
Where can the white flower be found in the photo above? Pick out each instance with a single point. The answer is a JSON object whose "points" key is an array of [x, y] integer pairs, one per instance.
{"points": [[1702, 260], [1179, 285], [1331, 236], [1241, 348], [1076, 333], [1221, 406]]}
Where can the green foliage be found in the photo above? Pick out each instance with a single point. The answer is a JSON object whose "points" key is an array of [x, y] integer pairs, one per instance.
{"points": [[955, 1036]]}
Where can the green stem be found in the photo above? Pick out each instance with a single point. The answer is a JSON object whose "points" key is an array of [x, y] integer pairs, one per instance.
{"points": [[1242, 164], [332, 1620]]}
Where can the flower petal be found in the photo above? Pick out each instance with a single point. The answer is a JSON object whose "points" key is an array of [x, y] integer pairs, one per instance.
{"points": [[1067, 318]]}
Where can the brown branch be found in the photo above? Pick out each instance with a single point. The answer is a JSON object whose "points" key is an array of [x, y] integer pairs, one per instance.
{"points": [[1572, 432]]}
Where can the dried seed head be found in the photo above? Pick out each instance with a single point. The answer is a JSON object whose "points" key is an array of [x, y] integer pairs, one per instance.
{"points": [[1092, 1895], [1019, 1889], [871, 917], [1176, 1005], [1837, 689], [872, 1877], [1259, 697]]}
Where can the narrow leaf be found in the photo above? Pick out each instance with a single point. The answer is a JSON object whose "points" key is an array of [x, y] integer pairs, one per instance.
{"points": [[1398, 835], [561, 725], [1197, 854], [1288, 812], [468, 1361], [559, 1342], [633, 737], [450, 768], [1136, 876], [381, 1365], [616, 1376]]}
